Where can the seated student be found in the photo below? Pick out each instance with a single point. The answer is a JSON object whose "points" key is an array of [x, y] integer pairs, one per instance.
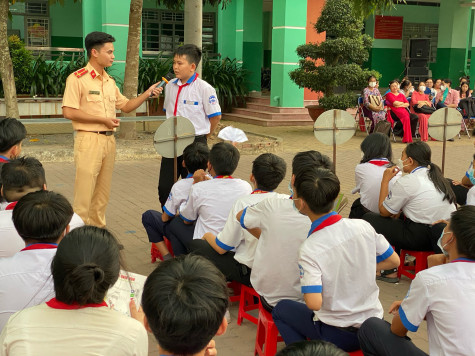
{"points": [[12, 133], [447, 97], [41, 219], [424, 197], [232, 250], [311, 348], [195, 157], [377, 156], [210, 200], [275, 275], [20, 177], [462, 187], [442, 295], [422, 107], [398, 104], [334, 309], [78, 321], [184, 301]]}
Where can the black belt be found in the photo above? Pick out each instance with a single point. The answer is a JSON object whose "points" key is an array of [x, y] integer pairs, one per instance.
{"points": [[350, 329], [107, 133]]}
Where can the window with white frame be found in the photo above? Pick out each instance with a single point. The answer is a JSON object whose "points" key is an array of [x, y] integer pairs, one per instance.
{"points": [[37, 24]]}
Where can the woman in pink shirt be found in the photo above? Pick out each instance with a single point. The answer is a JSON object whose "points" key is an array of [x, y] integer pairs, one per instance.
{"points": [[422, 106], [399, 104]]}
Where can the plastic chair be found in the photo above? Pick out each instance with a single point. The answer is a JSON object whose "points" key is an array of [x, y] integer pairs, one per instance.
{"points": [[390, 120], [356, 353], [246, 303], [155, 253], [236, 288], [361, 120], [421, 263], [267, 335]]}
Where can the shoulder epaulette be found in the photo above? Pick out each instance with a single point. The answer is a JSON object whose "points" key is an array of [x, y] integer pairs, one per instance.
{"points": [[79, 73]]}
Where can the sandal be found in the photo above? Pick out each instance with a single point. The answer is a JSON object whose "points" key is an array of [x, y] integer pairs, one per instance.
{"points": [[383, 277]]}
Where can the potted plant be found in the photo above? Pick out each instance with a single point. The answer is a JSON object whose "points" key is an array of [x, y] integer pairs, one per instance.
{"points": [[343, 52]]}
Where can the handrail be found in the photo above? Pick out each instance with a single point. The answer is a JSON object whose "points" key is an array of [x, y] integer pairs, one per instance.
{"points": [[56, 49]]}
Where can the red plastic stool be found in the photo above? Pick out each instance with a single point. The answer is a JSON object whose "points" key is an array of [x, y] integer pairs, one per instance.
{"points": [[155, 253], [356, 353], [421, 263], [236, 288], [246, 303], [267, 335]]}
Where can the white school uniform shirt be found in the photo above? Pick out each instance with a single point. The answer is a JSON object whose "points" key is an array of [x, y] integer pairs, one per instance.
{"points": [[178, 195], [471, 196], [234, 237], [339, 261], [418, 198], [45, 331], [25, 279], [275, 274], [210, 202], [368, 178], [11, 242], [444, 295], [196, 100]]}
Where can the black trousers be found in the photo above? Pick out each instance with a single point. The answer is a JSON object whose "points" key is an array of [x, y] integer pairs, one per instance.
{"points": [[460, 192], [165, 180], [376, 339], [180, 236], [357, 210], [232, 269], [406, 234]]}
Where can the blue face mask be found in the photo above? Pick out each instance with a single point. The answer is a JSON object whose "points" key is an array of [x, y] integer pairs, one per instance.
{"points": [[439, 243], [290, 189]]}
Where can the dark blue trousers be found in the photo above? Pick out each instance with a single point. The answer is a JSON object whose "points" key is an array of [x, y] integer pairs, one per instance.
{"points": [[295, 323], [180, 236], [153, 224]]}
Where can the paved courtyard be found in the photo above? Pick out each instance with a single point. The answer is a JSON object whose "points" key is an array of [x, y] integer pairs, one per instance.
{"points": [[134, 190]]}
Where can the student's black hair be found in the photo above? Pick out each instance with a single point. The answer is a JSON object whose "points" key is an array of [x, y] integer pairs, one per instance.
{"points": [[96, 40], [224, 158], [190, 51], [420, 152], [371, 77], [376, 145], [393, 81], [196, 156], [311, 348], [20, 175], [42, 216], [405, 84], [12, 132], [269, 171], [430, 78], [184, 300], [310, 159], [319, 188], [86, 265], [461, 224], [447, 81]]}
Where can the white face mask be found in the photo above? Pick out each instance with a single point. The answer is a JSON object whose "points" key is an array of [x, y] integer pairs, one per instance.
{"points": [[439, 243], [372, 84], [400, 164], [422, 88], [442, 87], [411, 90]]}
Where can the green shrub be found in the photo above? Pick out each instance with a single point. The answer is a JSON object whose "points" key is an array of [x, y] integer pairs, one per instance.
{"points": [[21, 60], [152, 70]]}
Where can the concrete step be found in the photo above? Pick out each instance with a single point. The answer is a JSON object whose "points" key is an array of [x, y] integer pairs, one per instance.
{"points": [[266, 122], [282, 116], [276, 109], [264, 100]]}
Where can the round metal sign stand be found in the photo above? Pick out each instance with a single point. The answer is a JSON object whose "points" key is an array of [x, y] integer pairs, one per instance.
{"points": [[171, 138], [334, 127], [444, 124]]}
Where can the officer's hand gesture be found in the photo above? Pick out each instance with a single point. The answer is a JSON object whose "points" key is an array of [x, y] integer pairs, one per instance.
{"points": [[153, 91], [111, 122]]}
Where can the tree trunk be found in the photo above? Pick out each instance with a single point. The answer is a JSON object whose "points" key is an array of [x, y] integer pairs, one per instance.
{"points": [[194, 24], [6, 66], [127, 129]]}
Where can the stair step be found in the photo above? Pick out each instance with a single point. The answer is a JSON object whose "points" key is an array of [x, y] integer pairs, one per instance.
{"points": [[266, 122], [274, 109], [265, 100], [272, 115]]}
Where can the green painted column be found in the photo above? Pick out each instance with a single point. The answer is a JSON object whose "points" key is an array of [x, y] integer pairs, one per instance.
{"points": [[252, 47], [230, 30], [289, 19], [452, 40], [472, 46]]}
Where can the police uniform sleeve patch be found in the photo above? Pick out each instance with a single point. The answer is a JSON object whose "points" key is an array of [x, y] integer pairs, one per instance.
{"points": [[213, 100], [79, 73]]}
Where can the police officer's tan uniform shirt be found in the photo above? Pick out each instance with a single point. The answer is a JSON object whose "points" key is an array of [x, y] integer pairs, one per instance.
{"points": [[94, 94]]}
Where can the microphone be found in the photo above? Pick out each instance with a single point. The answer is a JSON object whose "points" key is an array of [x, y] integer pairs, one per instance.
{"points": [[164, 81]]}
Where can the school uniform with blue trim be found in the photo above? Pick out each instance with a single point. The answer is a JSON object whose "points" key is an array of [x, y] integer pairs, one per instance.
{"points": [[330, 263], [443, 295], [197, 101]]}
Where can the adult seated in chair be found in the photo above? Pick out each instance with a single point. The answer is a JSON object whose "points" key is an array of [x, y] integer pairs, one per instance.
{"points": [[423, 108], [399, 110], [430, 90], [373, 106], [407, 88], [447, 97]]}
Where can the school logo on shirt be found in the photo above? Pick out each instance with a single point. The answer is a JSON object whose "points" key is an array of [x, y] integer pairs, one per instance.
{"points": [[170, 196], [390, 194], [301, 271], [212, 99]]}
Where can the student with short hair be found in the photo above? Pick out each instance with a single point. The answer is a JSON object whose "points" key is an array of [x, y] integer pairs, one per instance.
{"points": [[190, 97], [334, 309], [195, 157], [12, 134], [185, 300], [20, 177], [41, 219], [275, 273], [78, 321], [311, 348], [210, 200], [232, 250], [442, 295]]}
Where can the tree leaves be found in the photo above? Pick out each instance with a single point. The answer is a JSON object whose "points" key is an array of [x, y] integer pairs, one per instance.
{"points": [[178, 4]]}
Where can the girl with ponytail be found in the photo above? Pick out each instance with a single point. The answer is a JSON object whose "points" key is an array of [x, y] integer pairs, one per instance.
{"points": [[415, 201]]}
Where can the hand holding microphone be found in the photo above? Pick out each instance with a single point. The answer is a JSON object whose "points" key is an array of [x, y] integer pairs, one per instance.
{"points": [[158, 87]]}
